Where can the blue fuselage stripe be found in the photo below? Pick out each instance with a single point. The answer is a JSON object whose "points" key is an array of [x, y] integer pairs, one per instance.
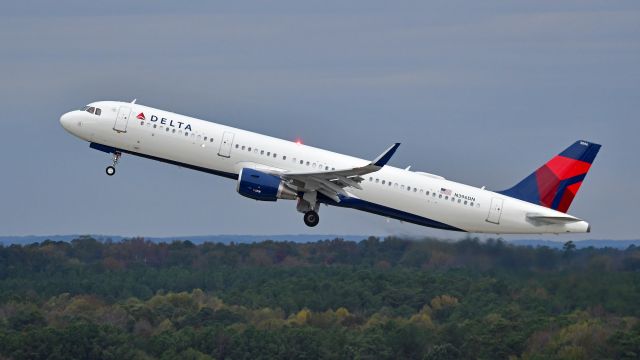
{"points": [[370, 207], [346, 202], [109, 149]]}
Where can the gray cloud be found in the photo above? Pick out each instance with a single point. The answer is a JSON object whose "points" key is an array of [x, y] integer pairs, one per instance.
{"points": [[480, 93]]}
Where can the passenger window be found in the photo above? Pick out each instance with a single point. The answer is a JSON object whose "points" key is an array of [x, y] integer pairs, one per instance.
{"points": [[155, 126], [377, 181], [186, 134], [440, 196], [261, 152], [471, 204], [465, 202], [242, 147], [142, 123], [284, 157], [370, 178], [211, 140], [402, 187], [237, 146], [427, 193], [205, 138], [255, 151], [301, 162], [268, 153], [275, 155], [249, 149], [173, 131], [307, 163], [326, 168], [415, 189], [446, 197], [459, 201], [383, 182]]}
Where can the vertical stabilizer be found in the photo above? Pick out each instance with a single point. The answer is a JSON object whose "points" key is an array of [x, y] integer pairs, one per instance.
{"points": [[557, 182]]}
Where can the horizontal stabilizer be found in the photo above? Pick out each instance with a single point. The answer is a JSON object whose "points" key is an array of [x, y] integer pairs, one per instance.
{"points": [[544, 219]]}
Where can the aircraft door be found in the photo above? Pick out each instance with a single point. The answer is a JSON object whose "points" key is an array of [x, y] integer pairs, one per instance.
{"points": [[225, 144], [122, 119], [495, 211]]}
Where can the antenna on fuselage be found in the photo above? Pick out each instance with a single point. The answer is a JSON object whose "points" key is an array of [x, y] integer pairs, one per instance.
{"points": [[134, 101]]}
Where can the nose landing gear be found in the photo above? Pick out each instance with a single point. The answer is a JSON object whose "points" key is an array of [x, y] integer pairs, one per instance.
{"points": [[111, 170]]}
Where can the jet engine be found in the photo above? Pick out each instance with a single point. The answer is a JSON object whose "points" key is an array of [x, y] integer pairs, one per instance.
{"points": [[261, 186]]}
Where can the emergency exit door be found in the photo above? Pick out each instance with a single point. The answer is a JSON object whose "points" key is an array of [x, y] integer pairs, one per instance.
{"points": [[225, 144], [122, 119], [495, 211]]}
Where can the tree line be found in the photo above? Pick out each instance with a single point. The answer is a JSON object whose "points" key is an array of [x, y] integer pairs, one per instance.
{"points": [[374, 299]]}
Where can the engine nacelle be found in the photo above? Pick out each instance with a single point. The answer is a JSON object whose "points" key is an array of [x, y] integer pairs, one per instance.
{"points": [[261, 186]]}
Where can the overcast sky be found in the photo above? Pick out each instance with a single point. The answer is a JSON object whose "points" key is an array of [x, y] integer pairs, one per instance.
{"points": [[480, 92]]}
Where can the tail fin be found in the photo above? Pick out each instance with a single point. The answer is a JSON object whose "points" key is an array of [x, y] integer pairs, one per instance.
{"points": [[556, 183]]}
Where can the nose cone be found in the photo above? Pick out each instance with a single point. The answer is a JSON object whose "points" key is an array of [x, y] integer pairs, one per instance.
{"points": [[66, 120]]}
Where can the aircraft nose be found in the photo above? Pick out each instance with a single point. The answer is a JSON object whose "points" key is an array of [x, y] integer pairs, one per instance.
{"points": [[66, 120]]}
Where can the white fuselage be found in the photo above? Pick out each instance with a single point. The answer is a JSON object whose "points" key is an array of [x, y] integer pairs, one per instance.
{"points": [[406, 195]]}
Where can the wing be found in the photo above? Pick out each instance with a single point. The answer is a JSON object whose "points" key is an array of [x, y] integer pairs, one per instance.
{"points": [[332, 183]]}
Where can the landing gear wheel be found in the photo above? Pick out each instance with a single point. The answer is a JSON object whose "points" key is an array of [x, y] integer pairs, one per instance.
{"points": [[111, 170], [311, 218]]}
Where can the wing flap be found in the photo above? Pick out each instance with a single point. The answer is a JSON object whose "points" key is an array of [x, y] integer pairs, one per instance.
{"points": [[331, 183]]}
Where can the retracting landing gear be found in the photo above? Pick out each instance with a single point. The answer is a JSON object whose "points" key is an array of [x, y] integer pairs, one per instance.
{"points": [[309, 206], [111, 170], [311, 218]]}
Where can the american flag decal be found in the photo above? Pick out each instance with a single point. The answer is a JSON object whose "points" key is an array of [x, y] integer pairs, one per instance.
{"points": [[445, 191]]}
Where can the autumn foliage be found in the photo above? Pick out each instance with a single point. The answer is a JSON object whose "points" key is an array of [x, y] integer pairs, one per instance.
{"points": [[373, 299]]}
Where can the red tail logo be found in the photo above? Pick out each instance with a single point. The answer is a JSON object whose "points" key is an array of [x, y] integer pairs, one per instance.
{"points": [[556, 183], [141, 116]]}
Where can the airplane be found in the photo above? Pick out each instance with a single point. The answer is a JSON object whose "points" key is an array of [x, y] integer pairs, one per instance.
{"points": [[270, 169]]}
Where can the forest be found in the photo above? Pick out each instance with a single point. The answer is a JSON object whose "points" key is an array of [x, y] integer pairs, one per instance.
{"points": [[388, 298]]}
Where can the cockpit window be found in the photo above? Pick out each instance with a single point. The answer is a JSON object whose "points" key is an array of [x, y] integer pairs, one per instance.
{"points": [[92, 110]]}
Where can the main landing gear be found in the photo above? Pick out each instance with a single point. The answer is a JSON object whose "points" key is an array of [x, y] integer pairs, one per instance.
{"points": [[111, 170], [311, 218], [309, 206]]}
